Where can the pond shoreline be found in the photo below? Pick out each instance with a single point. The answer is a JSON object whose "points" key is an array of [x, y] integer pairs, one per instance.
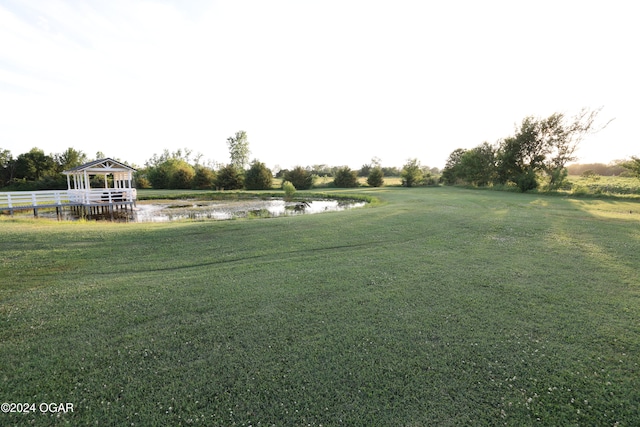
{"points": [[172, 205], [166, 210]]}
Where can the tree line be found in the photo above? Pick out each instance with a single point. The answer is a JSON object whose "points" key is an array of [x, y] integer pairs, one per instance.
{"points": [[180, 169], [35, 170], [537, 154], [177, 171]]}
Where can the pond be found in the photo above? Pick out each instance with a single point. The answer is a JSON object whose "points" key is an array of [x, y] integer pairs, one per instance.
{"points": [[174, 210]]}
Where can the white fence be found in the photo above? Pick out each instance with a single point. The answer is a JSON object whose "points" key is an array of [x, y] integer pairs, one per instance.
{"points": [[17, 200]]}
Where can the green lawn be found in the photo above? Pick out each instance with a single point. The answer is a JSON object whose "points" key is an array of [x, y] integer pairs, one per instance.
{"points": [[436, 306]]}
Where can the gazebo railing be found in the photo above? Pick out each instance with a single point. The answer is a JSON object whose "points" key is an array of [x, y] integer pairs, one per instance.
{"points": [[103, 195]]}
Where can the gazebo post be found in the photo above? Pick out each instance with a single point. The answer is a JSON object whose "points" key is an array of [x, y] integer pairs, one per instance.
{"points": [[87, 187]]}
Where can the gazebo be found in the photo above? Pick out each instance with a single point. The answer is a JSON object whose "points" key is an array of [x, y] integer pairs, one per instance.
{"points": [[118, 188]]}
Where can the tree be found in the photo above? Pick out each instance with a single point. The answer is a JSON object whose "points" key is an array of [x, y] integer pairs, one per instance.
{"points": [[141, 180], [204, 178], [289, 190], [172, 173], [181, 176], [7, 167], [562, 136], [345, 178], [517, 162], [507, 164], [452, 171], [258, 177], [544, 146], [170, 170], [376, 177], [158, 176], [321, 170], [391, 171], [301, 178], [412, 173], [365, 170], [69, 159], [229, 177], [239, 150], [477, 166], [633, 165], [34, 165]]}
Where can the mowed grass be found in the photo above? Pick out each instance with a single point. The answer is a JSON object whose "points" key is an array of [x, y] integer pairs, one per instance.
{"points": [[436, 306]]}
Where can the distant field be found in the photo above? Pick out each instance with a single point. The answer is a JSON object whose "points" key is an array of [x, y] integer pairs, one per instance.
{"points": [[435, 306], [605, 185]]}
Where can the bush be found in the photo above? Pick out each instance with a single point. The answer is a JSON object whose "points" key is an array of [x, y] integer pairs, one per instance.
{"points": [[258, 177], [204, 178], [229, 178], [289, 190], [345, 178], [430, 180], [376, 177], [527, 181], [159, 176], [46, 183], [580, 190], [182, 177], [171, 173], [300, 178], [590, 173], [142, 182], [412, 174]]}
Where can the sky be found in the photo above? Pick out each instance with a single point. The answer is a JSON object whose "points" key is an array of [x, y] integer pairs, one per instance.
{"points": [[334, 82]]}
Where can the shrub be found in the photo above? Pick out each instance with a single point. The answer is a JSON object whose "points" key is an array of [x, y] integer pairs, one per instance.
{"points": [[204, 178], [430, 180], [300, 178], [258, 177], [345, 178], [527, 181], [590, 173], [229, 178], [159, 176], [557, 179], [142, 182], [171, 173], [182, 177], [580, 190], [289, 190], [376, 177], [411, 173]]}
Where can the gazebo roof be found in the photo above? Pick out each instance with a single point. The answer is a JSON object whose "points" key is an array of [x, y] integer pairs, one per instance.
{"points": [[101, 166]]}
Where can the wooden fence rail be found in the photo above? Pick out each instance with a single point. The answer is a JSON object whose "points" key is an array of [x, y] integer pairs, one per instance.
{"points": [[96, 197]]}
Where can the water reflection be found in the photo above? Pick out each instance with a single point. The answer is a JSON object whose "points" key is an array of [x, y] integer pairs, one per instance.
{"points": [[154, 211]]}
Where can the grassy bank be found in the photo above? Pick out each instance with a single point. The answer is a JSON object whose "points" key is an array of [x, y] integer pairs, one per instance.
{"points": [[439, 306]]}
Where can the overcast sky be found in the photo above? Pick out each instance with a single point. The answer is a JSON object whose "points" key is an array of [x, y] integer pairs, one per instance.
{"points": [[312, 82]]}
